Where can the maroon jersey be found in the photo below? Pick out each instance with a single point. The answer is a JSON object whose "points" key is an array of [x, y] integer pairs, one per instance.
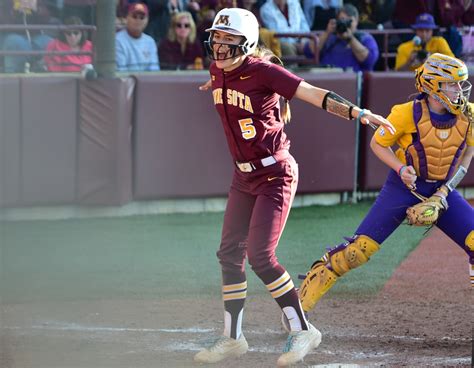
{"points": [[248, 102]]}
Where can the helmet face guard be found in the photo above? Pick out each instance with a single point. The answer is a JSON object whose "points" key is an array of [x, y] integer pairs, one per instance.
{"points": [[439, 71], [231, 52]]}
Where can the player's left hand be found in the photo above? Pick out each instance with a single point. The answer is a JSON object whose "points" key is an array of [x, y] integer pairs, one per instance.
{"points": [[427, 212], [205, 86], [374, 120]]}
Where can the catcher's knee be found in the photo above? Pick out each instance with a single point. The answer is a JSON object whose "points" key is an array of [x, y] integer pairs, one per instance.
{"points": [[325, 272], [470, 241], [351, 255]]}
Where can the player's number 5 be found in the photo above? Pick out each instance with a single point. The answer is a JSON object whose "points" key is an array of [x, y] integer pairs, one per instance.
{"points": [[247, 128]]}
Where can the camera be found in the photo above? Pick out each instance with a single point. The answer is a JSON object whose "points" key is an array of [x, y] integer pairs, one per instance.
{"points": [[342, 25], [421, 54]]}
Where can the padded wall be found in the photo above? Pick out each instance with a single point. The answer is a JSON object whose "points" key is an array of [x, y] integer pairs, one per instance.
{"points": [[10, 148], [180, 147], [105, 141], [324, 144]]}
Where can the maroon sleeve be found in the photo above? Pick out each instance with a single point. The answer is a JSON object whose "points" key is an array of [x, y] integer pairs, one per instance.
{"points": [[279, 80]]}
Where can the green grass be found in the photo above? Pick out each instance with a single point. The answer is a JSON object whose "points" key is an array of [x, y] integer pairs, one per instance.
{"points": [[170, 255]]}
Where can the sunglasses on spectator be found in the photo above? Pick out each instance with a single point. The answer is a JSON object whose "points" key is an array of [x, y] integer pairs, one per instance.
{"points": [[138, 16], [183, 25], [72, 33]]}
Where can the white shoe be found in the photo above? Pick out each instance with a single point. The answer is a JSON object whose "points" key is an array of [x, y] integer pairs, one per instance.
{"points": [[298, 345], [224, 347]]}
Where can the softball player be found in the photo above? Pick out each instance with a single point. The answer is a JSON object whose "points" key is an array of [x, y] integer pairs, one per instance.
{"points": [[246, 90], [436, 139]]}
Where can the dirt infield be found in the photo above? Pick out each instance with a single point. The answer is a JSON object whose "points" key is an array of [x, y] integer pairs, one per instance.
{"points": [[422, 318]]}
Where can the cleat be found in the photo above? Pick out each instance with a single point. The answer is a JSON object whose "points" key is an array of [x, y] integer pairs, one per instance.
{"points": [[224, 347], [298, 345]]}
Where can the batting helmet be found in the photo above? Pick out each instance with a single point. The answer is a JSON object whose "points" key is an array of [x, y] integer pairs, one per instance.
{"points": [[239, 22], [439, 70]]}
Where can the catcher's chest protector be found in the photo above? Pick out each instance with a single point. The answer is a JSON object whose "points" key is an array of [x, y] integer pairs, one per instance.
{"points": [[436, 148]]}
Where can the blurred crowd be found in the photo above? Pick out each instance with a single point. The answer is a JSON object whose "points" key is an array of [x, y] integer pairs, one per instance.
{"points": [[168, 34]]}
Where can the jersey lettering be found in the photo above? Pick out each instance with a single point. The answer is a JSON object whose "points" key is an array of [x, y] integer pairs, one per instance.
{"points": [[247, 128], [233, 98]]}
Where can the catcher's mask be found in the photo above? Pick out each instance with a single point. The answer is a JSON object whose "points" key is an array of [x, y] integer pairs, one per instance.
{"points": [[238, 22], [445, 79]]}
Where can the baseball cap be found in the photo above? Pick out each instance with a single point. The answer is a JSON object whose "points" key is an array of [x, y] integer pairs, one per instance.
{"points": [[137, 8], [424, 21]]}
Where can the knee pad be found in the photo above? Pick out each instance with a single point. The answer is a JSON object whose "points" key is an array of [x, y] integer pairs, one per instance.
{"points": [[470, 241], [351, 255]]}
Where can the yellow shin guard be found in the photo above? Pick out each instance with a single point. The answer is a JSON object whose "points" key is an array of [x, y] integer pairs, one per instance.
{"points": [[324, 273]]}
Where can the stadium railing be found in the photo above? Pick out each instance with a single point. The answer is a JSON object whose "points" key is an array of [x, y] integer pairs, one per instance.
{"points": [[44, 27]]}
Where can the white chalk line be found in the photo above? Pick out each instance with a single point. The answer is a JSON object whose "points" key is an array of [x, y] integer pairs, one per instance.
{"points": [[190, 346], [75, 327]]}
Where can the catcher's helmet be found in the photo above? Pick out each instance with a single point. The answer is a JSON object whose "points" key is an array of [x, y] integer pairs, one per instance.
{"points": [[236, 21], [439, 69]]}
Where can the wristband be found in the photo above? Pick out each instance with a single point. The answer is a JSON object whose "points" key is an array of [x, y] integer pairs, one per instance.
{"points": [[402, 169], [456, 178], [361, 114]]}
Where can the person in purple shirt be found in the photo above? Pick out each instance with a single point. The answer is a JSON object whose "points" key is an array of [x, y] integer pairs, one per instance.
{"points": [[246, 89], [342, 46]]}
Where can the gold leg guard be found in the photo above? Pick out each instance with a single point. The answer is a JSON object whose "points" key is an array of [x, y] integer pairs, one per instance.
{"points": [[317, 282], [470, 240], [353, 255], [325, 272]]}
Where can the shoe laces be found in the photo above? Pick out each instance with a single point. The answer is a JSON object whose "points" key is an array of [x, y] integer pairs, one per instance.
{"points": [[289, 343], [220, 341]]}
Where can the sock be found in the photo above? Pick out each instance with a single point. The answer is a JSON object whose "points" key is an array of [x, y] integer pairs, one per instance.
{"points": [[234, 295], [282, 289]]}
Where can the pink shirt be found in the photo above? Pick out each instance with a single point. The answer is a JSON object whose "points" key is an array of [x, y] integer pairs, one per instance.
{"points": [[66, 63], [248, 102]]}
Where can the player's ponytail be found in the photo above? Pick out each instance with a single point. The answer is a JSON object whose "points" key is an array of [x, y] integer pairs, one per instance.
{"points": [[263, 53], [469, 114]]}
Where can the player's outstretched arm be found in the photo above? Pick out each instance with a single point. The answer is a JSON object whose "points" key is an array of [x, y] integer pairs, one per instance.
{"points": [[205, 86], [339, 106]]}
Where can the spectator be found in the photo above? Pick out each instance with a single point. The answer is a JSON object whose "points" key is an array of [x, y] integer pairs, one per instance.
{"points": [[285, 16], [450, 12], [373, 12], [413, 53], [406, 11], [69, 40], [181, 49], [136, 51], [318, 12], [26, 40], [161, 12], [342, 45], [266, 37]]}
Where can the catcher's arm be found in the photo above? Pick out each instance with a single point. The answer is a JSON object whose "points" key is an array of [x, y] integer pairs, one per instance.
{"points": [[386, 155]]}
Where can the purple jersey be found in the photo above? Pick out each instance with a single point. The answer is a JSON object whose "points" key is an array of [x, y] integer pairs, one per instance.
{"points": [[248, 102]]}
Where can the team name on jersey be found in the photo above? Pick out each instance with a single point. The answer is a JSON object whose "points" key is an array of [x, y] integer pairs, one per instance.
{"points": [[234, 98]]}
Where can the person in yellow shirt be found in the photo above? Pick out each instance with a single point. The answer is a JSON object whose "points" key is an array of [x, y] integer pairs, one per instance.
{"points": [[435, 136], [411, 54]]}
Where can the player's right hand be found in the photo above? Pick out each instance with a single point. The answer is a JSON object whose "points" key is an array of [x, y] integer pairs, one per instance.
{"points": [[408, 177], [205, 86]]}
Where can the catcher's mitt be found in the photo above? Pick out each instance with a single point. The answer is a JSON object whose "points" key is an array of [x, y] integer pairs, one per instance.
{"points": [[427, 212]]}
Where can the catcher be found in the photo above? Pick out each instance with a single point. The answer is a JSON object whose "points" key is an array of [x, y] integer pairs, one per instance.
{"points": [[435, 136]]}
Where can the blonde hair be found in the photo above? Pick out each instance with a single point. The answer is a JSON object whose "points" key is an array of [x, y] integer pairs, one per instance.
{"points": [[469, 113], [264, 53], [174, 20]]}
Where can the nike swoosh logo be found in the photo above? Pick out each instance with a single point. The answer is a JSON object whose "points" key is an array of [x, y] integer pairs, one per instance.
{"points": [[246, 77], [270, 178]]}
